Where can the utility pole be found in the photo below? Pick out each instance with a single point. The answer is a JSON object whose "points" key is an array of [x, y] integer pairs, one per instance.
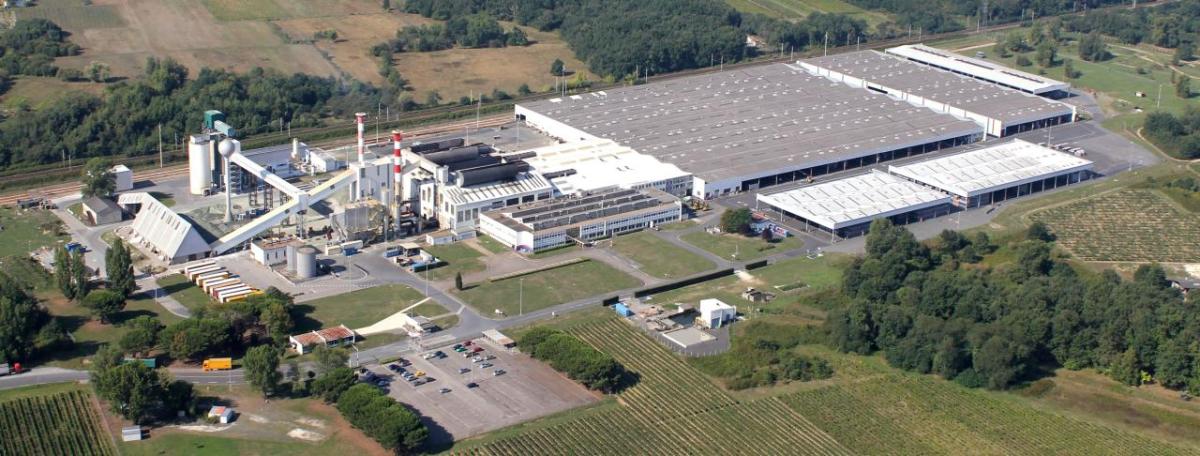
{"points": [[521, 300], [160, 154], [827, 44]]}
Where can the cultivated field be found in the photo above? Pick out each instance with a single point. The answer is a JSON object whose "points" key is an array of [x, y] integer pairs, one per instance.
{"points": [[908, 414], [59, 424], [243, 34], [672, 409], [1129, 225]]}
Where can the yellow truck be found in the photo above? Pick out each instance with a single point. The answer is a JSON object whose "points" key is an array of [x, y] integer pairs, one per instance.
{"points": [[213, 364]]}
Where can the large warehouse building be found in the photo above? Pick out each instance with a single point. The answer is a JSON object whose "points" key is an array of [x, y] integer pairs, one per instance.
{"points": [[750, 128], [846, 207], [999, 110], [983, 70], [997, 173], [580, 218]]}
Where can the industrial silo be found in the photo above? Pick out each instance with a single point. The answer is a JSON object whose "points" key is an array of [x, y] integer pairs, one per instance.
{"points": [[199, 164], [306, 262], [291, 258]]}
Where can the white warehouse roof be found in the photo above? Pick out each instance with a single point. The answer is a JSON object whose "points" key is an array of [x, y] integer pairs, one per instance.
{"points": [[599, 163], [854, 200], [978, 68], [993, 168], [523, 184]]}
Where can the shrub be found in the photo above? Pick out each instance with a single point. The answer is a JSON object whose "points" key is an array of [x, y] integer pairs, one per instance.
{"points": [[567, 354]]}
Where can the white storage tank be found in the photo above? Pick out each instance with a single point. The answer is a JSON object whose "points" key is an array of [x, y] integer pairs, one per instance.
{"points": [[306, 262], [199, 164], [291, 258]]}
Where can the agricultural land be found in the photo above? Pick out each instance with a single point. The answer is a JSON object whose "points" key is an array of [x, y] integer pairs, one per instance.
{"points": [[1129, 225], [61, 423]]}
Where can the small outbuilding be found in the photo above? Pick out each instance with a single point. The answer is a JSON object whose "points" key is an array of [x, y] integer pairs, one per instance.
{"points": [[132, 434], [499, 338], [222, 414], [623, 310], [101, 211], [123, 177], [330, 337], [714, 313], [270, 252]]}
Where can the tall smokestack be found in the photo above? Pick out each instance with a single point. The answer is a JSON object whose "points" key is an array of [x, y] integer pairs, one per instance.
{"points": [[396, 174], [360, 118]]}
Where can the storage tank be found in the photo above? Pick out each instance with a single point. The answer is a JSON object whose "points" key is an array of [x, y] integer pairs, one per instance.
{"points": [[306, 262], [199, 165], [291, 258]]}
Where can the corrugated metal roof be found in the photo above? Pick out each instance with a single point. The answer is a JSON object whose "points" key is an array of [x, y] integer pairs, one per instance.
{"points": [[525, 183], [993, 168], [854, 200]]}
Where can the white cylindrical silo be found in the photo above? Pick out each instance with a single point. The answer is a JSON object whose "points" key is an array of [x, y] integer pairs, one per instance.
{"points": [[306, 262], [291, 258], [199, 165]]}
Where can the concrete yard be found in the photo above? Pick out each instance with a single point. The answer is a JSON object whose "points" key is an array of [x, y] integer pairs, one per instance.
{"points": [[527, 391]]}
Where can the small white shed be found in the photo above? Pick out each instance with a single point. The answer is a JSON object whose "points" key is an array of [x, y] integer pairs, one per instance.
{"points": [[714, 313], [223, 414]]}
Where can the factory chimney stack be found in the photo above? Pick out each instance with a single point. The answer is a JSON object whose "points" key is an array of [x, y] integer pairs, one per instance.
{"points": [[360, 119]]}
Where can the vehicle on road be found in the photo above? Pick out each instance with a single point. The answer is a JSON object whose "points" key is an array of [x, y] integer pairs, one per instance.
{"points": [[10, 369], [214, 364]]}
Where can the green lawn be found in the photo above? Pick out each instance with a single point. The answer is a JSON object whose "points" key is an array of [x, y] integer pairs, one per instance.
{"points": [[458, 258], [360, 308], [811, 276], [25, 231], [184, 291], [553, 252], [546, 288], [89, 335], [492, 245], [738, 247], [660, 258]]}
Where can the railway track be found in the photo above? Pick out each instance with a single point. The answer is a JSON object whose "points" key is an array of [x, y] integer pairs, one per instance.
{"points": [[173, 171]]}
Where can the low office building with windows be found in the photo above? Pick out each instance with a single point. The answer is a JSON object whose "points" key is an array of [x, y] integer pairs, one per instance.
{"points": [[579, 218]]}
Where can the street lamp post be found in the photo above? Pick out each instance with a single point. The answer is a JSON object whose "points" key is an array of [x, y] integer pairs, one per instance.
{"points": [[521, 293]]}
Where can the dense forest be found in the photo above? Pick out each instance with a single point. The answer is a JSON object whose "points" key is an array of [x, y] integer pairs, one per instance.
{"points": [[473, 31], [1177, 135], [933, 309], [1170, 25], [621, 37], [30, 47], [939, 16]]}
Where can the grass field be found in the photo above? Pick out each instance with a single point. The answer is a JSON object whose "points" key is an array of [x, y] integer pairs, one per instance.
{"points": [[74, 14], [261, 429], [798, 9], [458, 258], [26, 231], [88, 334], [184, 291], [62, 423], [546, 288], [37, 92], [492, 245], [738, 247], [659, 258], [1128, 225], [361, 308]]}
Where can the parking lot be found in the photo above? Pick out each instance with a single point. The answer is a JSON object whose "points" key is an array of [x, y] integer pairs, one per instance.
{"points": [[528, 389]]}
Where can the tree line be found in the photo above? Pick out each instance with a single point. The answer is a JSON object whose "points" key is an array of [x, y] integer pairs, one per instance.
{"points": [[126, 118], [1172, 25], [472, 31], [1178, 135], [580, 361], [930, 309], [629, 37], [763, 354]]}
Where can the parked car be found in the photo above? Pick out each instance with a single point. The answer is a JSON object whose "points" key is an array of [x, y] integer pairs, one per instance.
{"points": [[477, 349], [499, 372], [472, 385], [463, 370], [477, 359], [382, 382], [489, 357], [485, 365], [394, 367], [419, 382], [444, 390], [440, 354], [428, 356], [458, 346], [467, 343], [460, 349]]}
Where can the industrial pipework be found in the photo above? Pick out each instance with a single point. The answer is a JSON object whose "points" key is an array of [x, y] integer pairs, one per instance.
{"points": [[396, 175], [360, 118]]}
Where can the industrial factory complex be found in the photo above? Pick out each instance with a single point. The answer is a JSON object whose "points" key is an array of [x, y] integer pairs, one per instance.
{"points": [[629, 158]]}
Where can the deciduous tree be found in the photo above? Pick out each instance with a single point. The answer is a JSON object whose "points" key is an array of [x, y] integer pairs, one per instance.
{"points": [[261, 366]]}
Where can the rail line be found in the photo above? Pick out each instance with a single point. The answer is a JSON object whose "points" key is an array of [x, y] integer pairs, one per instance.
{"points": [[172, 171]]}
